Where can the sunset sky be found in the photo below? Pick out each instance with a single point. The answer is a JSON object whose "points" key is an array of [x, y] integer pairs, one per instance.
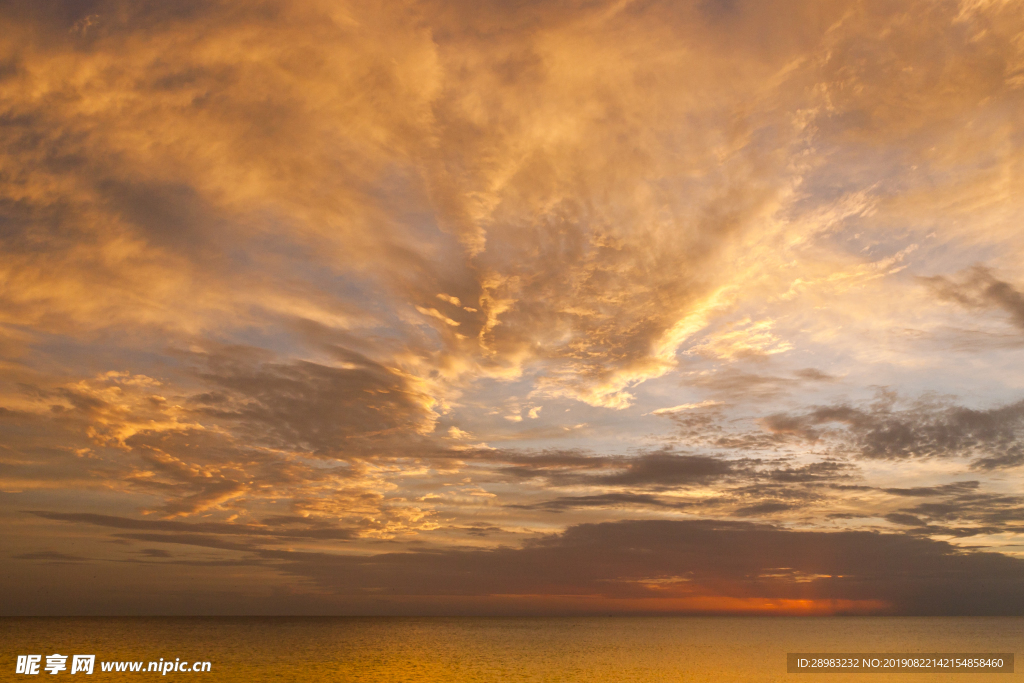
{"points": [[512, 306]]}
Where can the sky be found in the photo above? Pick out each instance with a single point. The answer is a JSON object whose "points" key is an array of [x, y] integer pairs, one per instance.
{"points": [[512, 307]]}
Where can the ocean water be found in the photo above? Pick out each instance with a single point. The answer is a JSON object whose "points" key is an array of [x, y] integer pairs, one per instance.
{"points": [[392, 649]]}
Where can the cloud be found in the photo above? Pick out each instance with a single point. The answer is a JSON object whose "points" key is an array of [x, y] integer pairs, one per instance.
{"points": [[195, 540], [264, 163], [658, 565], [702, 484], [992, 436], [403, 159], [608, 501], [885, 573], [279, 272], [658, 469], [736, 385], [304, 405], [205, 528], [993, 510], [929, 491], [978, 288], [743, 339], [763, 509], [684, 406], [668, 469], [50, 556], [811, 472], [904, 519], [221, 449]]}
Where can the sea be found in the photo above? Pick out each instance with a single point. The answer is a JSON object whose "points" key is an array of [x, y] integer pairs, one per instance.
{"points": [[456, 649]]}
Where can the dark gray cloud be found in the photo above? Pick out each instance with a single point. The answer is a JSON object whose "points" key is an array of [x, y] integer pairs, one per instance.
{"points": [[709, 428], [660, 469], [636, 560], [979, 288], [199, 541], [670, 469], [630, 560], [482, 531], [747, 488], [919, 526], [760, 509], [50, 556], [928, 491], [990, 509], [906, 574], [958, 509], [826, 470], [993, 437], [764, 498], [904, 519], [325, 532], [607, 501], [305, 405], [731, 383]]}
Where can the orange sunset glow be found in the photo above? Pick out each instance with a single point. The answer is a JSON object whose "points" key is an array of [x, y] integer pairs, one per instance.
{"points": [[516, 308]]}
